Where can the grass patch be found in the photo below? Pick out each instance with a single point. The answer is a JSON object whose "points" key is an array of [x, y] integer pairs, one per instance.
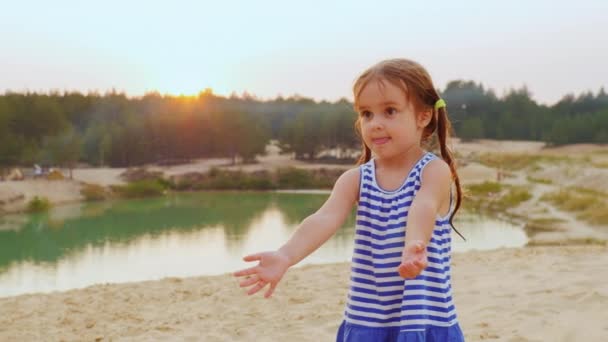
{"points": [[516, 161], [484, 188], [515, 196], [570, 200], [546, 221], [491, 197], [94, 192], [38, 204], [539, 180], [600, 165], [244, 182], [589, 205], [570, 242], [588, 191], [292, 178], [283, 178], [143, 188], [597, 216], [539, 225], [217, 179]]}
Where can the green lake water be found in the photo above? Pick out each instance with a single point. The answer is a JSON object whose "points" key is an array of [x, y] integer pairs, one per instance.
{"points": [[180, 235]]}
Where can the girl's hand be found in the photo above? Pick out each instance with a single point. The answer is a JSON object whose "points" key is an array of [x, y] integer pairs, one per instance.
{"points": [[269, 270], [414, 259]]}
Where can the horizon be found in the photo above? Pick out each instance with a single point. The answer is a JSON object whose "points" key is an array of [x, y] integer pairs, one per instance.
{"points": [[269, 49], [249, 95]]}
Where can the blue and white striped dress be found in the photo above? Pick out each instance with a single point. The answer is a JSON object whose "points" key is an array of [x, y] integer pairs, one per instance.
{"points": [[382, 306]]}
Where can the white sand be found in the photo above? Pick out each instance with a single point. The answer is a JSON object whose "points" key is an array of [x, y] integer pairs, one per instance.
{"points": [[102, 176], [529, 294], [16, 194], [496, 146]]}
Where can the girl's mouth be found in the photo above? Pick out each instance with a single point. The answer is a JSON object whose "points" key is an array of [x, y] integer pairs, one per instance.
{"points": [[381, 141]]}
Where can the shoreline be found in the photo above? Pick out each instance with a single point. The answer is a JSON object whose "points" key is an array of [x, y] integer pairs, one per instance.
{"points": [[518, 299], [525, 165], [516, 168]]}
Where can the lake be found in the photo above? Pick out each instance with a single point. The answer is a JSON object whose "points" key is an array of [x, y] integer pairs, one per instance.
{"points": [[179, 235]]}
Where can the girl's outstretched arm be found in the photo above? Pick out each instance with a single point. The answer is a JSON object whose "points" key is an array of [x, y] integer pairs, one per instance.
{"points": [[310, 235], [435, 185]]}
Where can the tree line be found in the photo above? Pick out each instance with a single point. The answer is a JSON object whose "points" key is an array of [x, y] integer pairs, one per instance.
{"points": [[479, 113], [119, 131]]}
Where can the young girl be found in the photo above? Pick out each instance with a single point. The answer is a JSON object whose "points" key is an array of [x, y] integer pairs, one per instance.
{"points": [[400, 275]]}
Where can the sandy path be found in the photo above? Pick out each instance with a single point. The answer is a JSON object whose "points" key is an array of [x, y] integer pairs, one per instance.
{"points": [[569, 227]]}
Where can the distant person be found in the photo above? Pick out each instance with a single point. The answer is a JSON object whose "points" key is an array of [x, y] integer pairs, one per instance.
{"points": [[37, 171], [400, 287]]}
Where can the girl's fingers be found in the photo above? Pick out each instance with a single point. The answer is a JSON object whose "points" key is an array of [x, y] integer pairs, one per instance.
{"points": [[253, 257], [247, 271], [404, 270], [419, 246], [270, 290], [407, 266], [250, 281], [411, 269], [260, 285]]}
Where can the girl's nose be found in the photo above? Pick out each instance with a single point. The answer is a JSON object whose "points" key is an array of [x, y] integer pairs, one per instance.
{"points": [[376, 123]]}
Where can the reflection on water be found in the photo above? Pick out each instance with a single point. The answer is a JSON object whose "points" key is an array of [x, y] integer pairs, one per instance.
{"points": [[180, 235], [484, 233]]}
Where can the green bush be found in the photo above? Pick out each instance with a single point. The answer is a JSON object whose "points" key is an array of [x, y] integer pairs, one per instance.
{"points": [[258, 183], [292, 178], [143, 188], [284, 178], [38, 204], [93, 192]]}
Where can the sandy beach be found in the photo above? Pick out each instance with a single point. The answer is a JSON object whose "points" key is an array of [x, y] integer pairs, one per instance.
{"points": [[529, 294]]}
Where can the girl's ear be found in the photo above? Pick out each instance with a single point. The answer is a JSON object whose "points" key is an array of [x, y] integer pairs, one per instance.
{"points": [[424, 117]]}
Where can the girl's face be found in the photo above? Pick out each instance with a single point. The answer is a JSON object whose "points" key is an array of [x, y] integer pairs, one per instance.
{"points": [[389, 124]]}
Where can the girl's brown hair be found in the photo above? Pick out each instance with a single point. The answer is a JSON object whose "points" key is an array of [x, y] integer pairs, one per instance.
{"points": [[419, 90]]}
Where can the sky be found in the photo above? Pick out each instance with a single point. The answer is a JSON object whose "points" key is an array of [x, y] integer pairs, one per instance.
{"points": [[310, 48]]}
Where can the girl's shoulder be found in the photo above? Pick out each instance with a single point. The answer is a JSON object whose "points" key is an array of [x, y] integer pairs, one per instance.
{"points": [[434, 170], [352, 175], [348, 183]]}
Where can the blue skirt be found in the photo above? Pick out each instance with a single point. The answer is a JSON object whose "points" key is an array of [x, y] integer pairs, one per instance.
{"points": [[357, 333]]}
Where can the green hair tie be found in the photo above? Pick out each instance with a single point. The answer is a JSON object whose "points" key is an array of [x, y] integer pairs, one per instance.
{"points": [[440, 104]]}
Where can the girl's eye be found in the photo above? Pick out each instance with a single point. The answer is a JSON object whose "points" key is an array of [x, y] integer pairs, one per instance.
{"points": [[366, 114], [391, 111]]}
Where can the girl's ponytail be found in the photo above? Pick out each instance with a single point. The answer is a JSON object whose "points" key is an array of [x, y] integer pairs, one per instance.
{"points": [[444, 128]]}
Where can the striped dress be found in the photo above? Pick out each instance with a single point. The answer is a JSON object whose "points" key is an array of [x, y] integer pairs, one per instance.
{"points": [[382, 306]]}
